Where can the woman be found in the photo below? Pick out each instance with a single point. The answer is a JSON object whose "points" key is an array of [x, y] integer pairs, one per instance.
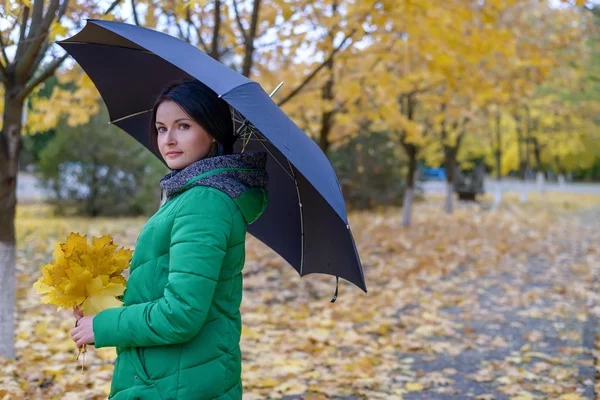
{"points": [[177, 334]]}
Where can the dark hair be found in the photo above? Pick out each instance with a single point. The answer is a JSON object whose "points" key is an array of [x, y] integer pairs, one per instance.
{"points": [[203, 105]]}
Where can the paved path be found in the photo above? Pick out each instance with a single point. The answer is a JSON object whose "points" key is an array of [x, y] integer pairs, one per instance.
{"points": [[523, 327]]}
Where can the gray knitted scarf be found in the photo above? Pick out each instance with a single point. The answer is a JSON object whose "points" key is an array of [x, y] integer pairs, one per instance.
{"points": [[250, 172]]}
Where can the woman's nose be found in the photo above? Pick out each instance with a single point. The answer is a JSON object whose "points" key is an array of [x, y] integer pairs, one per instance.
{"points": [[170, 137]]}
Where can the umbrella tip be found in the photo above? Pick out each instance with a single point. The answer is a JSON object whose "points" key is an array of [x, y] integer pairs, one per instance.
{"points": [[337, 281]]}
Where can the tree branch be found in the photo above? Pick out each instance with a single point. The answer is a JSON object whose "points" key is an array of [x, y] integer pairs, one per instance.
{"points": [[316, 71], [51, 14], [214, 51], [41, 54], [239, 21], [198, 30], [44, 75], [6, 60], [62, 9], [27, 64], [250, 40], [135, 15], [189, 32], [21, 45], [307, 128], [2, 66], [36, 18], [180, 29], [112, 6]]}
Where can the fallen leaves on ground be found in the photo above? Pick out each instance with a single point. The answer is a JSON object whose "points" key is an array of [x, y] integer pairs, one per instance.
{"points": [[511, 287]]}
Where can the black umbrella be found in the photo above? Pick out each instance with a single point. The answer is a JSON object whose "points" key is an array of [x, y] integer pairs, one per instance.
{"points": [[305, 220]]}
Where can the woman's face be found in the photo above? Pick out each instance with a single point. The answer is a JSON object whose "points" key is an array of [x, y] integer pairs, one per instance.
{"points": [[181, 140]]}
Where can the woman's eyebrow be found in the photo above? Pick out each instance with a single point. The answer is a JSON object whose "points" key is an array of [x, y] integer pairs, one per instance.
{"points": [[177, 120]]}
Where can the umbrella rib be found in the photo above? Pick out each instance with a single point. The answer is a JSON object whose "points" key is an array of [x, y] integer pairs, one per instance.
{"points": [[130, 115], [277, 161], [301, 219], [110, 45]]}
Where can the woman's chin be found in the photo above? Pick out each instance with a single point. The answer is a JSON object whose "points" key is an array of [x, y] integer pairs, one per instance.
{"points": [[177, 164], [180, 161]]}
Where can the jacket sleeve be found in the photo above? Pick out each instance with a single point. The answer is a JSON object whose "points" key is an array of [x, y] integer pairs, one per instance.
{"points": [[199, 237]]}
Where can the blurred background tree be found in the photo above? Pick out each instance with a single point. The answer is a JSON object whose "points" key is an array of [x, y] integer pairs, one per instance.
{"points": [[96, 169]]}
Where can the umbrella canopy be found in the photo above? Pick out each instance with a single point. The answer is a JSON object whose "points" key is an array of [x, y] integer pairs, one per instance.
{"points": [[305, 221]]}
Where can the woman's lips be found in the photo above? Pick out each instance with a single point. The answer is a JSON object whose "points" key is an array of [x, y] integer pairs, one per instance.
{"points": [[174, 154]]}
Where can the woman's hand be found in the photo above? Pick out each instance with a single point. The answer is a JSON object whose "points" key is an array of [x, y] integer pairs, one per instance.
{"points": [[83, 333], [78, 314]]}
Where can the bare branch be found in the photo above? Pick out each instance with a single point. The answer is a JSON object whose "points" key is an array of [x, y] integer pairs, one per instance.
{"points": [[250, 40], [226, 50], [3, 46], [36, 18], [307, 128], [198, 30], [38, 60], [48, 72], [316, 71], [135, 15], [6, 60], [424, 88], [189, 33], [51, 15], [214, 51], [239, 21], [112, 6], [62, 10], [30, 61], [21, 45], [16, 21], [180, 29]]}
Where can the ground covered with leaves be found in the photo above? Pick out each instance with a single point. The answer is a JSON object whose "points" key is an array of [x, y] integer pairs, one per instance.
{"points": [[483, 304]]}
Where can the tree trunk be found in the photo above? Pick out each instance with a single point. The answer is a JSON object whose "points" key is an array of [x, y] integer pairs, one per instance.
{"points": [[524, 193], [7, 299], [450, 165], [520, 150], [561, 179], [498, 154], [498, 193], [527, 143], [523, 154], [10, 147], [540, 180], [327, 95], [410, 185]]}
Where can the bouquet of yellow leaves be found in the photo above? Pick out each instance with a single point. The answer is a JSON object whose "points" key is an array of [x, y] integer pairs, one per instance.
{"points": [[84, 276]]}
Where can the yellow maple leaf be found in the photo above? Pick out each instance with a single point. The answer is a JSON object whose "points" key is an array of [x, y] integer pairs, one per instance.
{"points": [[571, 396], [524, 396], [83, 274], [414, 387]]}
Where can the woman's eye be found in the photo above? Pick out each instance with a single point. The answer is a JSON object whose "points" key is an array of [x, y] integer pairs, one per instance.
{"points": [[160, 129], [184, 126]]}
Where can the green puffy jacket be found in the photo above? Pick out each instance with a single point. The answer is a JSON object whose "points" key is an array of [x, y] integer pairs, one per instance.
{"points": [[177, 334]]}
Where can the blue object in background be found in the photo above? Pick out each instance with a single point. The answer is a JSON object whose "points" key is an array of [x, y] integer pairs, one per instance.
{"points": [[433, 173]]}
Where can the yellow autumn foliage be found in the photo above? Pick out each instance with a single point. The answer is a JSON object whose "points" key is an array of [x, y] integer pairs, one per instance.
{"points": [[83, 274]]}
